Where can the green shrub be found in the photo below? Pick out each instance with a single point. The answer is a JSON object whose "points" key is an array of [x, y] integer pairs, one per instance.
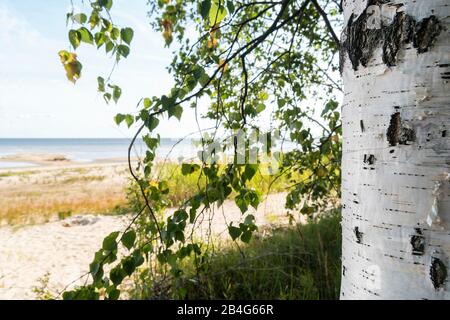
{"points": [[296, 262]]}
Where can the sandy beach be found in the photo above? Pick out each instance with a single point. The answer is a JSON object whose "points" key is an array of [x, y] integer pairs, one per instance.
{"points": [[53, 220], [56, 187], [62, 250]]}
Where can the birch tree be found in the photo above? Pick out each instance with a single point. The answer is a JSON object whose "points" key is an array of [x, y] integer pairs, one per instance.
{"points": [[250, 57], [395, 61]]}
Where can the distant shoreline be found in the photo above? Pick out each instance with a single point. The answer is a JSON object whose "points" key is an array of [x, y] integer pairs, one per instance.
{"points": [[27, 161]]}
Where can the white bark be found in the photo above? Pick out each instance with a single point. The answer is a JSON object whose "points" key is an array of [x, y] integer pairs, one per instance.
{"points": [[396, 159]]}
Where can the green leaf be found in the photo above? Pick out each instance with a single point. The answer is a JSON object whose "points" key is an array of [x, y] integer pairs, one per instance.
{"points": [[151, 143], [204, 79], [123, 50], [94, 19], [234, 232], [69, 15], [246, 236], [105, 3], [249, 172], [115, 33], [96, 270], [86, 35], [128, 239], [242, 203], [176, 111], [187, 168], [109, 46], [119, 118], [147, 103], [205, 7], [107, 96], [117, 92], [110, 243], [117, 275], [198, 72], [129, 119], [107, 25], [80, 18], [263, 95], [138, 258], [74, 38], [260, 107], [113, 294], [230, 6], [101, 84], [127, 35], [128, 266], [216, 14], [152, 123], [249, 219], [100, 39], [166, 102]]}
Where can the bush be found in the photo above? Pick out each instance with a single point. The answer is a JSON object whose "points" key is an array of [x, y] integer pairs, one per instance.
{"points": [[296, 262]]}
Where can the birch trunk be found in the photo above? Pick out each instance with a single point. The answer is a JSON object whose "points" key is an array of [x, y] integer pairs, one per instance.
{"points": [[395, 61]]}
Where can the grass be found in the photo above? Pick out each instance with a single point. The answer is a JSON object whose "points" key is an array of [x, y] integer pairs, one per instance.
{"points": [[28, 197], [184, 187], [38, 196], [83, 179], [296, 262], [18, 174]]}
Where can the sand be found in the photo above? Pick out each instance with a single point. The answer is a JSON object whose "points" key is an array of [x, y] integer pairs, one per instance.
{"points": [[39, 160], [40, 194], [44, 250], [62, 250]]}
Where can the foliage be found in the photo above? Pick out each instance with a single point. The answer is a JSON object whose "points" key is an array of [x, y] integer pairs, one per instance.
{"points": [[297, 262], [249, 60], [184, 186]]}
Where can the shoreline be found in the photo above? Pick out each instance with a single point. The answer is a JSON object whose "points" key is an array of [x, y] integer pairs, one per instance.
{"points": [[52, 160]]}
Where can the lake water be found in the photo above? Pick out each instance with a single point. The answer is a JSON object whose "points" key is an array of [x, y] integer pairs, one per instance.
{"points": [[88, 150]]}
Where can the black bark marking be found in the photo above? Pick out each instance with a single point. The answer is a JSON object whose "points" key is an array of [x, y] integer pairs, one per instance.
{"points": [[425, 34], [438, 273], [360, 41], [358, 235], [397, 133], [444, 133], [418, 243], [395, 35], [361, 124], [369, 159]]}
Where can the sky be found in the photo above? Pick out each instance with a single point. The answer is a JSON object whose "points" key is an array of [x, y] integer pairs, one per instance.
{"points": [[36, 99]]}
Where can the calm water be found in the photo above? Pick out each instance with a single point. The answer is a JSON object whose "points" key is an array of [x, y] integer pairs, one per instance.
{"points": [[87, 150]]}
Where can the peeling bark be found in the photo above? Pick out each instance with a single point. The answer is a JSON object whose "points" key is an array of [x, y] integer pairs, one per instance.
{"points": [[425, 34], [395, 61], [365, 33], [398, 133], [438, 273]]}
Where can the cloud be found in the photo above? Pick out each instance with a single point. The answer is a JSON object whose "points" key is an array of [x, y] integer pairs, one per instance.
{"points": [[14, 29]]}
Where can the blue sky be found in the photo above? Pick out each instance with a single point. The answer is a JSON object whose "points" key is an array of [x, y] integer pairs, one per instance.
{"points": [[37, 101]]}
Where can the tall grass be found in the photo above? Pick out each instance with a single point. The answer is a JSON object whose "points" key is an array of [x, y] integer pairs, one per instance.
{"points": [[184, 187], [296, 262]]}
